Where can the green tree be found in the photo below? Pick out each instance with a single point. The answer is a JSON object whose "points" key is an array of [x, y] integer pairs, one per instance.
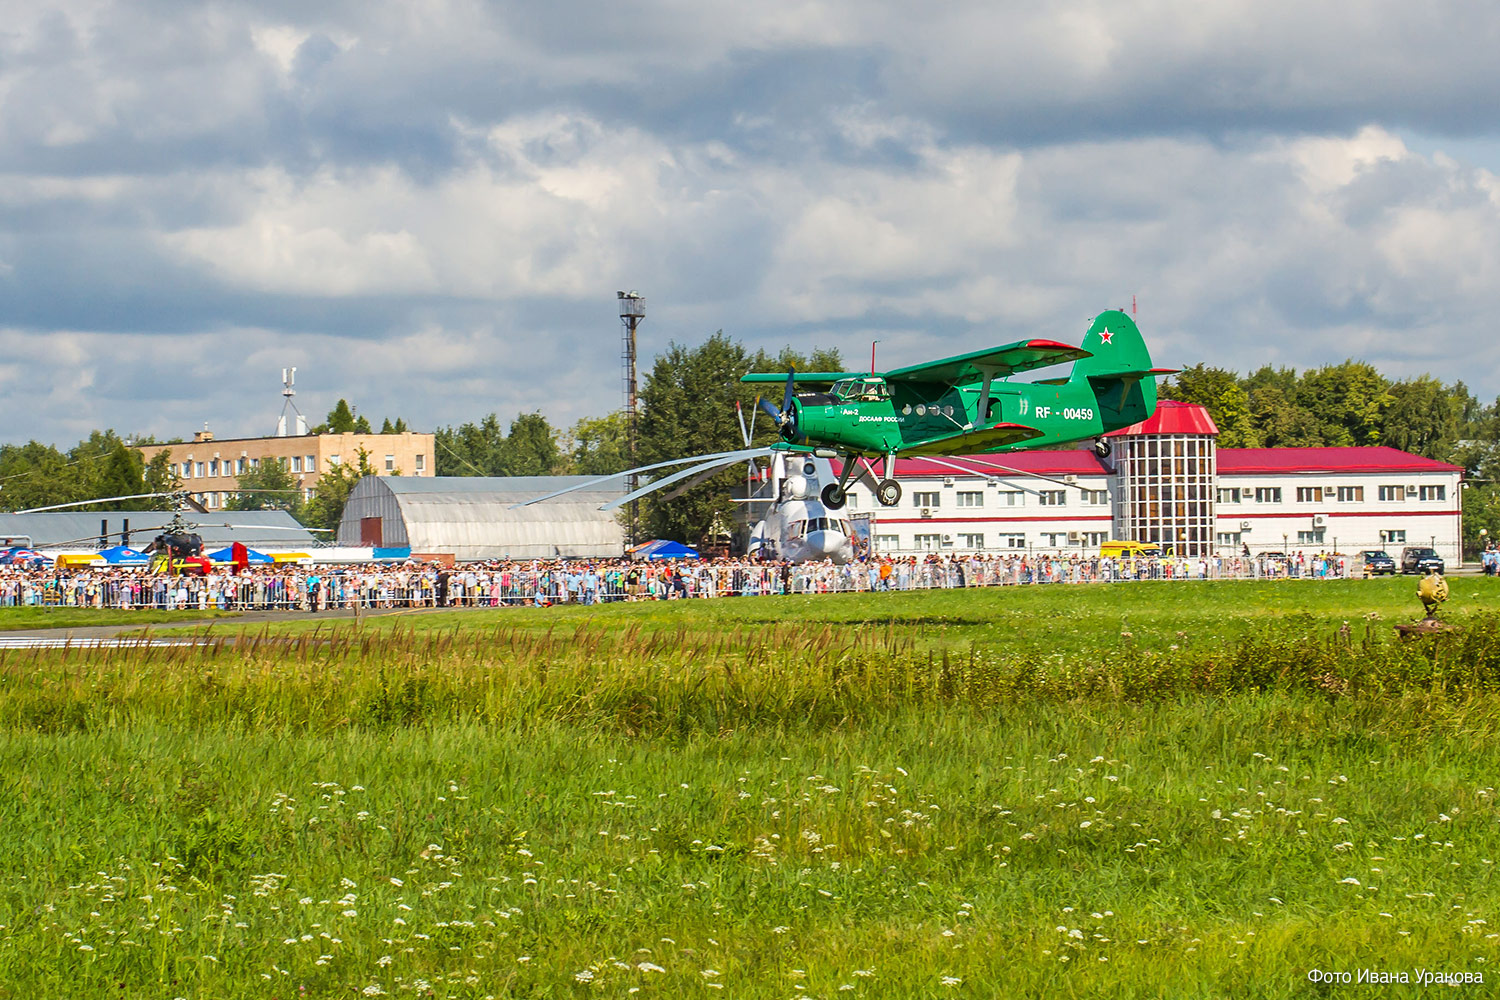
{"points": [[1481, 513], [1347, 400], [597, 446], [531, 447], [470, 449], [362, 425], [1227, 401], [340, 418], [161, 477], [331, 494], [268, 486], [123, 475], [1423, 417]]}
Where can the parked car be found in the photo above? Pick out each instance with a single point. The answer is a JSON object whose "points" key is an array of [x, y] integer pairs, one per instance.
{"points": [[1419, 559], [1378, 561]]}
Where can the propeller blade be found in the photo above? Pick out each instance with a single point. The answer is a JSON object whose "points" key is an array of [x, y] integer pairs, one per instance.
{"points": [[754, 412], [770, 408], [786, 398]]}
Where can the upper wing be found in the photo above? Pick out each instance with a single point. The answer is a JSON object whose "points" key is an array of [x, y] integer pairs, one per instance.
{"points": [[801, 378], [999, 361], [976, 440]]}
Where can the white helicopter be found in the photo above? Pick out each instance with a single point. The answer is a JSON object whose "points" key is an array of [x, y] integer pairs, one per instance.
{"points": [[797, 526]]}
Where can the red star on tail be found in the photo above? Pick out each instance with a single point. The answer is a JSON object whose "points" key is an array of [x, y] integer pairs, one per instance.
{"points": [[1105, 336]]}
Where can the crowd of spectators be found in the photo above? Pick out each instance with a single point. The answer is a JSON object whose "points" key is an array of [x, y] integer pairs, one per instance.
{"points": [[495, 584]]}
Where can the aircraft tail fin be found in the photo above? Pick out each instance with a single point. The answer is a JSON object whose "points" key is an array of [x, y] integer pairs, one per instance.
{"points": [[1119, 369]]}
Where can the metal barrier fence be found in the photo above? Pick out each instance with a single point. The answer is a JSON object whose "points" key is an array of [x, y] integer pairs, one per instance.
{"points": [[580, 584]]}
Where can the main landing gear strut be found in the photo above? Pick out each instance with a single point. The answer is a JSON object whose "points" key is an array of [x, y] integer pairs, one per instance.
{"points": [[887, 491]]}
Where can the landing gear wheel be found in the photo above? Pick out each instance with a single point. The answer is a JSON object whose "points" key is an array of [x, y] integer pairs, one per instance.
{"points": [[888, 492], [833, 497], [1102, 447]]}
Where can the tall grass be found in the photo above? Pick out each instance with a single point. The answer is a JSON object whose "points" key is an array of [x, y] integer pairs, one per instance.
{"points": [[639, 682], [781, 810]]}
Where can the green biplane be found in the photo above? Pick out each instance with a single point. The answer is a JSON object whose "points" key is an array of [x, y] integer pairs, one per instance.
{"points": [[961, 405], [958, 406]]}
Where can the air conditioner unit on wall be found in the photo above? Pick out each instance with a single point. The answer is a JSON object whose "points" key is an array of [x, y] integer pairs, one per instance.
{"points": [[1070, 480], [1319, 520], [1330, 491], [1244, 525], [1073, 537], [948, 481], [926, 511], [1411, 491]]}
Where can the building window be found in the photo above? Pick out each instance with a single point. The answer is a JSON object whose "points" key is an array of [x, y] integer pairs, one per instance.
{"points": [[1392, 493], [1053, 498], [974, 499], [213, 467], [1095, 538], [1011, 498], [1095, 497], [390, 463], [421, 463], [1433, 493], [1308, 494], [296, 463], [333, 460], [1054, 539], [255, 463], [1270, 494], [927, 543], [1351, 494], [972, 541], [198, 471], [1012, 541], [887, 543], [926, 499], [1397, 535], [1229, 538], [239, 467], [187, 470], [1229, 494], [310, 464], [1314, 537]]}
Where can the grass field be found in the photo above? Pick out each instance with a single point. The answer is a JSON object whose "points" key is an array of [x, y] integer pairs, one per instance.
{"points": [[14, 619], [927, 795]]}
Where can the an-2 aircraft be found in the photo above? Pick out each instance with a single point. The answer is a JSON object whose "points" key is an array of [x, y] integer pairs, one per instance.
{"points": [[954, 406]]}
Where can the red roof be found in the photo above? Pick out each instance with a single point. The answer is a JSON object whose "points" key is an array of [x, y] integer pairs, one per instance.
{"points": [[1173, 417], [1078, 462], [1232, 461], [1244, 461]]}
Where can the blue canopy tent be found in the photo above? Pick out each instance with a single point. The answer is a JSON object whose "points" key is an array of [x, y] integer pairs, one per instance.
{"points": [[663, 549], [226, 554], [20, 557], [122, 555]]}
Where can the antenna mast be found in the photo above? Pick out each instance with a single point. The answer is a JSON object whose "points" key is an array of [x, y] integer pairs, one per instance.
{"points": [[288, 380], [632, 311]]}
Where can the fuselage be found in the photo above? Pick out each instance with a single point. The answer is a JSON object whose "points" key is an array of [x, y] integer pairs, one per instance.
{"points": [[798, 527], [914, 418]]}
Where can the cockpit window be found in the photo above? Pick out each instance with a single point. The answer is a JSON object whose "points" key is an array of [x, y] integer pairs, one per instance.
{"points": [[860, 390]]}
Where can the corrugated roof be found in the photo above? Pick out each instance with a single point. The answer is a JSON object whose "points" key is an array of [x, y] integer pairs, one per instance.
{"points": [[477, 518], [1244, 461], [255, 528]]}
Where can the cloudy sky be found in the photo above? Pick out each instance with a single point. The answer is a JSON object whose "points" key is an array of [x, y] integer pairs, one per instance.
{"points": [[427, 206]]}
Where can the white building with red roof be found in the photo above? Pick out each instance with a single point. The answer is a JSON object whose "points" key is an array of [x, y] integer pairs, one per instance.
{"points": [[1168, 482]]}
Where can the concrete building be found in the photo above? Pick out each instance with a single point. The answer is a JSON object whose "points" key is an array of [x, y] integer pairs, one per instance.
{"points": [[468, 518], [210, 467], [1168, 482]]}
